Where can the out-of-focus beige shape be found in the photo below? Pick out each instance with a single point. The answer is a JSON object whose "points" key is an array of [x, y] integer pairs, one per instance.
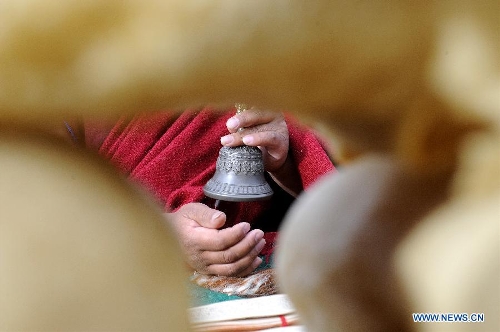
{"points": [[339, 240], [451, 260], [81, 249], [134, 55]]}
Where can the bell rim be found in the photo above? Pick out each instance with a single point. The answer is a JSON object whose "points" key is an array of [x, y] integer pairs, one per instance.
{"points": [[240, 197]]}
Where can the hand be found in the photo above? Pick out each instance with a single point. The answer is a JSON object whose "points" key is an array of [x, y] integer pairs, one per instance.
{"points": [[209, 250], [268, 131], [265, 129]]}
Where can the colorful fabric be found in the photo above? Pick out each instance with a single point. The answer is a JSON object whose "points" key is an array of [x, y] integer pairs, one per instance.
{"points": [[202, 292]]}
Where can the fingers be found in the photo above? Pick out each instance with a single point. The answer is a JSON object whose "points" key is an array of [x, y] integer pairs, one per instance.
{"points": [[251, 242], [230, 251], [265, 129], [239, 260], [269, 136], [251, 118], [252, 121], [238, 269], [270, 139], [220, 240], [257, 128], [203, 215]]}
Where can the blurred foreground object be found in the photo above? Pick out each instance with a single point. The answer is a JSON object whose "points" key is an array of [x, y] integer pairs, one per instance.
{"points": [[81, 249]]}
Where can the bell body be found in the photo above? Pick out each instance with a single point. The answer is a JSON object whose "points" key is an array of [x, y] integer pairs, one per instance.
{"points": [[239, 176]]}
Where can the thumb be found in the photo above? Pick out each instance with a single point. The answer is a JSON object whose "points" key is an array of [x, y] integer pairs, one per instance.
{"points": [[204, 216]]}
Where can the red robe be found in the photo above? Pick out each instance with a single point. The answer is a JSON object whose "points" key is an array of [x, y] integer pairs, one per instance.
{"points": [[173, 156]]}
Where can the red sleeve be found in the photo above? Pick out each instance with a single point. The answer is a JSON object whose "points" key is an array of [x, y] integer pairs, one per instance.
{"points": [[308, 152]]}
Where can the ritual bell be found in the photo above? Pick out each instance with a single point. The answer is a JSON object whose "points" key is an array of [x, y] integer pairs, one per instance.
{"points": [[239, 174]]}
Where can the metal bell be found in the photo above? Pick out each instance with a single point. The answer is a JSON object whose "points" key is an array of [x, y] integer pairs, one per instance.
{"points": [[239, 176]]}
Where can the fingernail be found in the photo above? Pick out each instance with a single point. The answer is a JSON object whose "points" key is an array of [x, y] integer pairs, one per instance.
{"points": [[216, 215], [257, 262], [248, 140], [260, 245], [259, 235], [233, 123], [226, 139], [246, 227]]}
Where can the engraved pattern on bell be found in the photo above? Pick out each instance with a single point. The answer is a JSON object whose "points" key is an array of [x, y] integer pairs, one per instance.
{"points": [[240, 159], [213, 185], [239, 176]]}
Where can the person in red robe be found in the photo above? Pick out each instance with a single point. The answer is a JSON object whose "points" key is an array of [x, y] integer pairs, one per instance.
{"points": [[173, 156]]}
